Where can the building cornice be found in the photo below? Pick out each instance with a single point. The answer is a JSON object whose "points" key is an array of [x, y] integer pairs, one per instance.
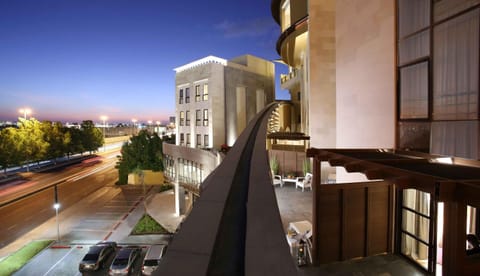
{"points": [[202, 61]]}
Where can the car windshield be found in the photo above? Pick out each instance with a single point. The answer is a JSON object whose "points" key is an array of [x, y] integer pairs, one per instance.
{"points": [[120, 262], [151, 262], [90, 257]]}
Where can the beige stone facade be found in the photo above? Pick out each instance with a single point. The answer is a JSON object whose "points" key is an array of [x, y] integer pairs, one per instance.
{"points": [[216, 98]]}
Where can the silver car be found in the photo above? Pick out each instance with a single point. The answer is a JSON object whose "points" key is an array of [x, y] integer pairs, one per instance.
{"points": [[152, 258], [123, 264], [97, 256]]}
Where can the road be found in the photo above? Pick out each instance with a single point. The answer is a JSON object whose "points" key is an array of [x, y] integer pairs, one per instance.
{"points": [[73, 184]]}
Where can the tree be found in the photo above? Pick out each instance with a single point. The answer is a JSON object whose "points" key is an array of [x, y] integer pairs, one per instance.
{"points": [[75, 144], [143, 151], [9, 148], [92, 137], [57, 137], [32, 145]]}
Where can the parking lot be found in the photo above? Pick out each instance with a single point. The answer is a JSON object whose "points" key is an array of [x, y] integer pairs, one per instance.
{"points": [[64, 260]]}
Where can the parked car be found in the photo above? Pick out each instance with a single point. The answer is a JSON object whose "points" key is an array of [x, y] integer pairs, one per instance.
{"points": [[96, 256], [124, 261], [152, 258]]}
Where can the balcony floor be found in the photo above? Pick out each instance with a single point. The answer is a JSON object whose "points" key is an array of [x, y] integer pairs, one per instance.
{"points": [[295, 205]]}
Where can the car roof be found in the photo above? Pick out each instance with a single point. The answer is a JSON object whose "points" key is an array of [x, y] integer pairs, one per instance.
{"points": [[124, 253], [95, 249], [155, 251]]}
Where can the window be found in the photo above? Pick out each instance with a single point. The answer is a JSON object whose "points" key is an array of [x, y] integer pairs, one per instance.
{"points": [[199, 140], [205, 92], [188, 139], [198, 117], [187, 120], [414, 91], [205, 117], [180, 96], [415, 226], [197, 93], [187, 95], [182, 139], [455, 68], [182, 118], [205, 140]]}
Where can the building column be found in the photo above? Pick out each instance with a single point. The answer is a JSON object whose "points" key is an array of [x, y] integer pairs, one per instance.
{"points": [[179, 191], [454, 238]]}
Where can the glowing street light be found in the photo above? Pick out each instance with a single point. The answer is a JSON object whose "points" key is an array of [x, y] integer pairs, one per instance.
{"points": [[25, 111], [134, 121]]}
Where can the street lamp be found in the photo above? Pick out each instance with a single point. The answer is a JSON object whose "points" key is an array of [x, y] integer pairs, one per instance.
{"points": [[104, 119], [134, 121], [56, 206], [25, 111]]}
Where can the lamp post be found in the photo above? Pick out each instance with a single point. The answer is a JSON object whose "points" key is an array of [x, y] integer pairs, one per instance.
{"points": [[104, 119], [149, 125], [56, 206], [25, 111], [134, 121]]}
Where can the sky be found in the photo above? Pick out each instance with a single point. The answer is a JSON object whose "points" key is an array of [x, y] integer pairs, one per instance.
{"points": [[74, 60]]}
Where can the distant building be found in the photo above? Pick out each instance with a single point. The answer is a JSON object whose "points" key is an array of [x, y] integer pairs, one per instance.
{"points": [[216, 98]]}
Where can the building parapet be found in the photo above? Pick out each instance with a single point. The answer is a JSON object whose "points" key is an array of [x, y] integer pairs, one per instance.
{"points": [[202, 61]]}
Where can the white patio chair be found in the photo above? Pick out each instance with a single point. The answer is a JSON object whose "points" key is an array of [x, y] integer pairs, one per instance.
{"points": [[277, 180], [304, 182]]}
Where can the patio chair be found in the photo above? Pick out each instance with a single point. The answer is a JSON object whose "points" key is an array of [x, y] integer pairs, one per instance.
{"points": [[304, 182], [277, 180]]}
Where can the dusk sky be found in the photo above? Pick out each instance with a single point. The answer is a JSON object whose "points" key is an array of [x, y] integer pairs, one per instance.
{"points": [[73, 60]]}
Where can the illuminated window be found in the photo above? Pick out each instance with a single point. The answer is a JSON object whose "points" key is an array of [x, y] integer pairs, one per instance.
{"points": [[199, 140], [187, 119], [205, 92], [205, 117], [205, 140], [197, 93], [188, 139], [198, 117], [182, 118], [187, 95], [180, 96], [182, 139]]}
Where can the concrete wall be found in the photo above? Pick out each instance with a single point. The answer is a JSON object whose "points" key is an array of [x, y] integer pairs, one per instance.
{"points": [[242, 83], [213, 74], [321, 88], [365, 74], [149, 178]]}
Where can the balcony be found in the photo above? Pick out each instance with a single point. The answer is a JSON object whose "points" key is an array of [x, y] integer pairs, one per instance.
{"points": [[292, 43], [290, 81]]}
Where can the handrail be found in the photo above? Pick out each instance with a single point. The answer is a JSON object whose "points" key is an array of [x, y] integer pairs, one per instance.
{"points": [[289, 31]]}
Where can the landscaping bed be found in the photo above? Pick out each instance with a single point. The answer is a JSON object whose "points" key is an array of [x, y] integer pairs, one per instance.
{"points": [[18, 259], [147, 225]]}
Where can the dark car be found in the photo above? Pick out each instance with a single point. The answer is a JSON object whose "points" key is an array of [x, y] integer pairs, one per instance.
{"points": [[97, 256], [124, 260]]}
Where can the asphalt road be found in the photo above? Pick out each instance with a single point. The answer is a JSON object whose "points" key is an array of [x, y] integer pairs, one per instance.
{"points": [[73, 184]]}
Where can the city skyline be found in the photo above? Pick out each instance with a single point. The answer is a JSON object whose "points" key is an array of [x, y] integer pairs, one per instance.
{"points": [[80, 60]]}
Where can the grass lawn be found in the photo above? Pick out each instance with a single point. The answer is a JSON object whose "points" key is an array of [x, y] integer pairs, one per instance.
{"points": [[147, 225], [18, 259]]}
